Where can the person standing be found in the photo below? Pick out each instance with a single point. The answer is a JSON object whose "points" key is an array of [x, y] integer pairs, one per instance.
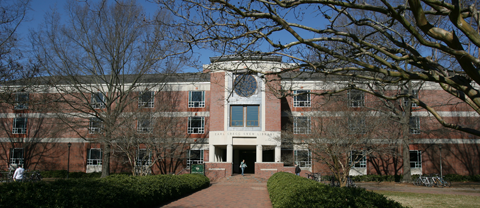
{"points": [[18, 175], [243, 165], [297, 170]]}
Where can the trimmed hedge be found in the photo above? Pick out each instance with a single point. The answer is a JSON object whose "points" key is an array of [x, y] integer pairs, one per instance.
{"points": [[289, 190], [113, 191]]}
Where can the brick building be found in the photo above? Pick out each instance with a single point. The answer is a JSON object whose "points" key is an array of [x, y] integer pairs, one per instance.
{"points": [[229, 113]]}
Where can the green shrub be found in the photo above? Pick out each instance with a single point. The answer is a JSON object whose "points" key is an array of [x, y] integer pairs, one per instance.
{"points": [[289, 190], [117, 190]]}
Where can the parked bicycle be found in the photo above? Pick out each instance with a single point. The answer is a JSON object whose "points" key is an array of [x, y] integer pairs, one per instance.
{"points": [[423, 180], [33, 176], [315, 176], [440, 181]]}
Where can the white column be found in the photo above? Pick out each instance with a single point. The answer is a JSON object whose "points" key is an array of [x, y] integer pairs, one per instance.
{"points": [[278, 153], [259, 153], [211, 153], [229, 153]]}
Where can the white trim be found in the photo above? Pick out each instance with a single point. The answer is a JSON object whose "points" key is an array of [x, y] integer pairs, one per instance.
{"points": [[216, 169], [373, 113], [268, 169]]}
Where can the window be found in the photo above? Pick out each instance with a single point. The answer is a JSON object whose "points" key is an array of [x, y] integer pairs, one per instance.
{"points": [[144, 157], [21, 101], [356, 99], [19, 124], [301, 125], [194, 157], [196, 125], [358, 159], [196, 99], [146, 99], [16, 156], [414, 125], [144, 125], [245, 85], [302, 100], [356, 125], [414, 95], [287, 157], [303, 158], [94, 157], [244, 116], [415, 159], [96, 126], [98, 100]]}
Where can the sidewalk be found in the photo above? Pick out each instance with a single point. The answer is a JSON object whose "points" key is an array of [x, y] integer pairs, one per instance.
{"points": [[236, 191]]}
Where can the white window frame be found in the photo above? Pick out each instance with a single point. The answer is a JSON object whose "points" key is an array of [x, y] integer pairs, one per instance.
{"points": [[144, 129], [97, 161], [144, 160], [142, 103], [21, 104], [195, 103], [17, 160], [414, 95], [362, 163], [301, 103], [191, 160], [357, 125], [353, 102], [19, 129], [196, 130], [414, 124], [303, 163], [94, 129], [301, 129], [95, 103], [418, 163]]}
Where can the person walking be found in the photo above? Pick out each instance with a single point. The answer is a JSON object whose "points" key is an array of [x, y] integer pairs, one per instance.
{"points": [[18, 175], [243, 165], [297, 170]]}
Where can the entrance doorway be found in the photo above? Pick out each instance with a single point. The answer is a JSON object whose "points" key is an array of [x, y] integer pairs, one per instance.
{"points": [[249, 155]]}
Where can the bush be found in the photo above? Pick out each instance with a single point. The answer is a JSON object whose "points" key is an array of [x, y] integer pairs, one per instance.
{"points": [[117, 190], [289, 190]]}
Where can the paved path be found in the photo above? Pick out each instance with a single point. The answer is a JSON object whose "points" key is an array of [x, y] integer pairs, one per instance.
{"points": [[235, 191]]}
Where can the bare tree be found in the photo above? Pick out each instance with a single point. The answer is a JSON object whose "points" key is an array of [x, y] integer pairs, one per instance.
{"points": [[98, 59], [157, 137], [371, 40]]}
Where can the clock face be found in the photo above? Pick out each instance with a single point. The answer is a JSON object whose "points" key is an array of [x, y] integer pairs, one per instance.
{"points": [[245, 85]]}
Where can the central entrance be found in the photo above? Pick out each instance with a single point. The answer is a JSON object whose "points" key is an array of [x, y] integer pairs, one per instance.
{"points": [[247, 153]]}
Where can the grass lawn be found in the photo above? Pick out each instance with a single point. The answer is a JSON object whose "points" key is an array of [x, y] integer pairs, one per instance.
{"points": [[432, 200]]}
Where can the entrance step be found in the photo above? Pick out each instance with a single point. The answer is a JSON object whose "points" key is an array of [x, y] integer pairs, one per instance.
{"points": [[238, 178]]}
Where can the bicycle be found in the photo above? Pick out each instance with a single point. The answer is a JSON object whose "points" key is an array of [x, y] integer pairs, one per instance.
{"points": [[34, 176], [315, 176], [350, 183], [441, 182]]}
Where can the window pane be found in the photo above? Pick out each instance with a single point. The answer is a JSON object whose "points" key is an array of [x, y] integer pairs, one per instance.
{"points": [[237, 116], [95, 154], [252, 115], [197, 96], [196, 122], [303, 97]]}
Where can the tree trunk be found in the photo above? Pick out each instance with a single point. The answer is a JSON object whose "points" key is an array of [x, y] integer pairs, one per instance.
{"points": [[106, 160]]}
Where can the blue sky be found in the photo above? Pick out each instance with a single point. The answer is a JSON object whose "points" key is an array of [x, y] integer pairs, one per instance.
{"points": [[35, 17]]}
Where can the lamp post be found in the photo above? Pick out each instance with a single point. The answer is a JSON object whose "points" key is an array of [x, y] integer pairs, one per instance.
{"points": [[440, 147], [68, 163]]}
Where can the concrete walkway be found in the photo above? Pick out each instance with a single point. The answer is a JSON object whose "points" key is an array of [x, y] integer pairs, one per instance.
{"points": [[235, 191]]}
